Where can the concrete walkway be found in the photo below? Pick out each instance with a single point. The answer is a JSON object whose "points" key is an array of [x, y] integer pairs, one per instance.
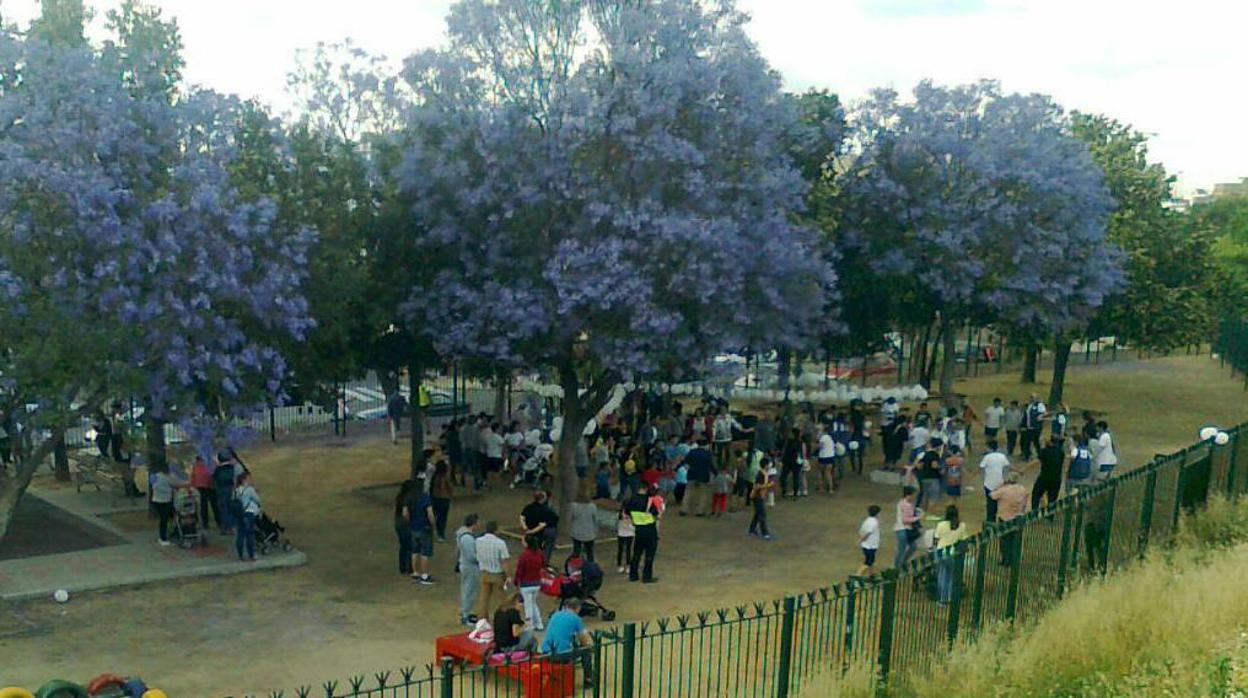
{"points": [[135, 559]]}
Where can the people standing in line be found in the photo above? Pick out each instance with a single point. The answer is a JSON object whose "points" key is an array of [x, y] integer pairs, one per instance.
{"points": [[1011, 421], [395, 407], [1080, 472], [701, 473], [791, 462], [644, 512], [249, 509], [528, 579], [492, 447], [584, 526], [201, 480], [423, 519], [539, 519], [994, 417], [1011, 499], [403, 501], [949, 533], [441, 491], [163, 483], [906, 526], [840, 433], [722, 430], [869, 540], [859, 438], [1034, 416], [826, 478], [1049, 483], [1104, 452], [951, 472], [624, 534], [493, 560], [758, 499], [223, 478], [929, 475], [470, 444], [511, 632], [469, 569], [993, 466]]}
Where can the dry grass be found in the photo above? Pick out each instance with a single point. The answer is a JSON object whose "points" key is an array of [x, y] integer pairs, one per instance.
{"points": [[1172, 626]]}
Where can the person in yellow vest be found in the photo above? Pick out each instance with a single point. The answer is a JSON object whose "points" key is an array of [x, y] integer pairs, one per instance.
{"points": [[644, 513]]}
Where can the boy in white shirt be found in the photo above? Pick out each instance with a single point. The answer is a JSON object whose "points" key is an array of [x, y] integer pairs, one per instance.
{"points": [[869, 540]]}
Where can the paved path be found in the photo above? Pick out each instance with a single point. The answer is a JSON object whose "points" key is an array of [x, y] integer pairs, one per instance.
{"points": [[136, 560]]}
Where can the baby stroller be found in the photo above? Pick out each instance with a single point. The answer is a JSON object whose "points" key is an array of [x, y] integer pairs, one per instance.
{"points": [[581, 579], [270, 534], [532, 470], [186, 528]]}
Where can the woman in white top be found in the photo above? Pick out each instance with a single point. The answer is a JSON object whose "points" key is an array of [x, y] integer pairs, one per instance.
{"points": [[162, 486]]}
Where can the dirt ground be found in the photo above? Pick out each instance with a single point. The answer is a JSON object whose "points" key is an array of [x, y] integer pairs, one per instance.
{"points": [[350, 612]]}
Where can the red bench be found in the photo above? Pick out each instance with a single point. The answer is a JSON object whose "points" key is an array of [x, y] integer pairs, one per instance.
{"points": [[538, 678]]}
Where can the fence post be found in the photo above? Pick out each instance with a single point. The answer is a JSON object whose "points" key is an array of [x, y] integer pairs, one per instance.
{"points": [[597, 665], [1013, 540], [1146, 516], [888, 609], [1064, 552], [957, 560], [627, 673], [1230, 463], [786, 647], [1178, 490], [448, 678], [1109, 525], [977, 601], [851, 612]]}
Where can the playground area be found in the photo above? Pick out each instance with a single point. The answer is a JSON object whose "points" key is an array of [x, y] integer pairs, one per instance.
{"points": [[348, 611]]}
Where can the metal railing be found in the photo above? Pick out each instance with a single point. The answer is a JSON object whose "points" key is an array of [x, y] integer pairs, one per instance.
{"points": [[894, 623]]}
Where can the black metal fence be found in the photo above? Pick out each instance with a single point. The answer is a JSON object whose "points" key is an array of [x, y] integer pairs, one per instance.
{"points": [[891, 625]]}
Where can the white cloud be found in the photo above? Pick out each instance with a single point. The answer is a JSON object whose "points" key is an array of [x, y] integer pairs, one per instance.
{"points": [[1178, 73]]}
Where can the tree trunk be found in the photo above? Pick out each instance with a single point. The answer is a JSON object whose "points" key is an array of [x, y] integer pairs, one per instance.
{"points": [[949, 363], [1030, 354], [575, 417], [417, 461], [157, 456], [919, 359], [500, 397], [930, 369], [1061, 358], [12, 488], [60, 459]]}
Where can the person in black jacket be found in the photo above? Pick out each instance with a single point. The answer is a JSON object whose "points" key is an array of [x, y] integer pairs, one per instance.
{"points": [[1052, 459]]}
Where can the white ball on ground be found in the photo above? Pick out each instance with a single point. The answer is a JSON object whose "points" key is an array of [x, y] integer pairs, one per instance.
{"points": [[60, 595], [1208, 433], [1222, 438]]}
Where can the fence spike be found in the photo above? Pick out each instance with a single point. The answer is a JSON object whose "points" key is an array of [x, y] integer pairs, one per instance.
{"points": [[741, 612], [330, 687], [382, 679], [305, 691], [702, 617], [722, 613], [356, 682]]}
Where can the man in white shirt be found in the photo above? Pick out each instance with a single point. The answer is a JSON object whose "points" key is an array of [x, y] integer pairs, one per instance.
{"points": [[1104, 452], [993, 465], [492, 558], [919, 436], [992, 419]]}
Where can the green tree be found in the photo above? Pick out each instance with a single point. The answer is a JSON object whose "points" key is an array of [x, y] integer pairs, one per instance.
{"points": [[1227, 220], [61, 22], [1172, 276]]}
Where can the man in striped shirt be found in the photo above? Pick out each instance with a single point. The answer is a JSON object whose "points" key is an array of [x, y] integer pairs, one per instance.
{"points": [[493, 559]]}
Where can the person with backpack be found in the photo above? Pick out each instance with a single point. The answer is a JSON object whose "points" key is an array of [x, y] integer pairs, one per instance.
{"points": [[246, 509], [1080, 472]]}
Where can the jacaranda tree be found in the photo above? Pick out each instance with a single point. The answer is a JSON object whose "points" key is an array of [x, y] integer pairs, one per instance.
{"points": [[982, 207], [128, 264], [602, 191]]}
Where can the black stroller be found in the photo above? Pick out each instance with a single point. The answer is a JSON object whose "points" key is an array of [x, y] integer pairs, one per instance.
{"points": [[270, 535], [581, 580]]}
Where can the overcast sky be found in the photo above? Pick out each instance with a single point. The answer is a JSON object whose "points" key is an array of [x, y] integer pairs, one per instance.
{"points": [[1176, 70]]}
